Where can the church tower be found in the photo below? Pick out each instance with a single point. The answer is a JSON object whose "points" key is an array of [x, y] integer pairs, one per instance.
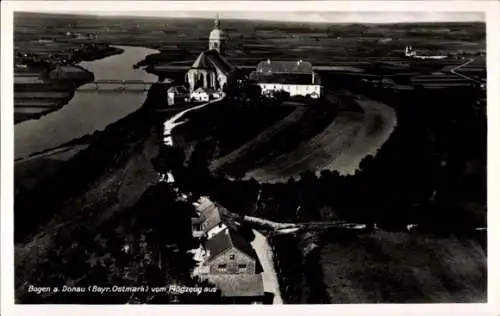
{"points": [[216, 38]]}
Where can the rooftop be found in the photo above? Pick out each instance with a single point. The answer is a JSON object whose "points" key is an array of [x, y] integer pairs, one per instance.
{"points": [[211, 60], [228, 239], [284, 78], [272, 66], [177, 90]]}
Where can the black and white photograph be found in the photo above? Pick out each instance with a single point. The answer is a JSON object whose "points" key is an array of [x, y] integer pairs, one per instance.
{"points": [[222, 156]]}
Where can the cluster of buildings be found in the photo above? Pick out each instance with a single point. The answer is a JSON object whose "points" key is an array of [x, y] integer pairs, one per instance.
{"points": [[411, 52], [76, 35], [225, 257], [211, 72]]}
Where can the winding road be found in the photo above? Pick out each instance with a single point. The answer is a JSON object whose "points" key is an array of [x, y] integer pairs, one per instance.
{"points": [[454, 71]]}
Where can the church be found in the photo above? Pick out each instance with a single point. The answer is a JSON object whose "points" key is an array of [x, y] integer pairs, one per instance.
{"points": [[210, 72]]}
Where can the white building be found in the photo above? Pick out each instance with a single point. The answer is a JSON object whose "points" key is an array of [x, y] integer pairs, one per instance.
{"points": [[210, 71], [411, 52], [177, 95], [296, 78], [200, 95]]}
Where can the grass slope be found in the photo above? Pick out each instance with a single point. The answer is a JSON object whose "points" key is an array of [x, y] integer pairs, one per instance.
{"points": [[386, 267]]}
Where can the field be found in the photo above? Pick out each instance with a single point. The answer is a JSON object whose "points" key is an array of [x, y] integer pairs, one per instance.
{"points": [[180, 40], [340, 146], [388, 267], [356, 49], [344, 267]]}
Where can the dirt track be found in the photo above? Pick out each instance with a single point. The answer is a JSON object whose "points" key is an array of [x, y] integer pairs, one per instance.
{"points": [[341, 146], [265, 255]]}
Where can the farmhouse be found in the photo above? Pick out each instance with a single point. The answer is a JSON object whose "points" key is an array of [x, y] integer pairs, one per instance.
{"points": [[229, 253], [232, 265], [296, 78], [225, 258]]}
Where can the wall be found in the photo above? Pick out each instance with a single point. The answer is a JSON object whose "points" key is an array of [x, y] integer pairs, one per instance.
{"points": [[232, 265], [291, 88]]}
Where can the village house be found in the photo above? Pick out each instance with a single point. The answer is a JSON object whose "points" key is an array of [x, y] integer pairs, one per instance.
{"points": [[226, 258], [296, 78], [228, 252], [177, 95], [232, 265], [209, 220]]}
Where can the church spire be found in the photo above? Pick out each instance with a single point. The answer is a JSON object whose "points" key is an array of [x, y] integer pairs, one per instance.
{"points": [[216, 37], [217, 21]]}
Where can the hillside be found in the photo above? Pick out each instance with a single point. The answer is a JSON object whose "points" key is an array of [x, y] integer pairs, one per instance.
{"points": [[104, 218], [272, 143], [386, 267], [344, 267]]}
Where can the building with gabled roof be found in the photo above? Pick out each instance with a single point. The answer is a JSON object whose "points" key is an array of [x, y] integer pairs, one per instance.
{"points": [[230, 253], [273, 66], [296, 78], [210, 70], [177, 95], [209, 218], [226, 258]]}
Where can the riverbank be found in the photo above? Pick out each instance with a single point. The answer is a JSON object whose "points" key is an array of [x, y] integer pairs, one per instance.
{"points": [[56, 84], [87, 111], [86, 184]]}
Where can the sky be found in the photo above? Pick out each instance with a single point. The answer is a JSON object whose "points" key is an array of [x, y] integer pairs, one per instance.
{"points": [[340, 17], [327, 17]]}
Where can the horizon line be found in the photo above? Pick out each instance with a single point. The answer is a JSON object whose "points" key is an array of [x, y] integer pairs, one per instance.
{"points": [[205, 16]]}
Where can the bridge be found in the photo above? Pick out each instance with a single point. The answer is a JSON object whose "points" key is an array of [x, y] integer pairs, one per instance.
{"points": [[122, 86]]}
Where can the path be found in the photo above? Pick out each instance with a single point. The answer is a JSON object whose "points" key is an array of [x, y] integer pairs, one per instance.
{"points": [[269, 276], [169, 124], [454, 71]]}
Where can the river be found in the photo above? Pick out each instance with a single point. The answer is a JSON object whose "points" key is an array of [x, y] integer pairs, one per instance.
{"points": [[87, 111]]}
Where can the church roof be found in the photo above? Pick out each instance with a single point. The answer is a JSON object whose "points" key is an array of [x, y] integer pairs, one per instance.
{"points": [[200, 90], [211, 60], [285, 67]]}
